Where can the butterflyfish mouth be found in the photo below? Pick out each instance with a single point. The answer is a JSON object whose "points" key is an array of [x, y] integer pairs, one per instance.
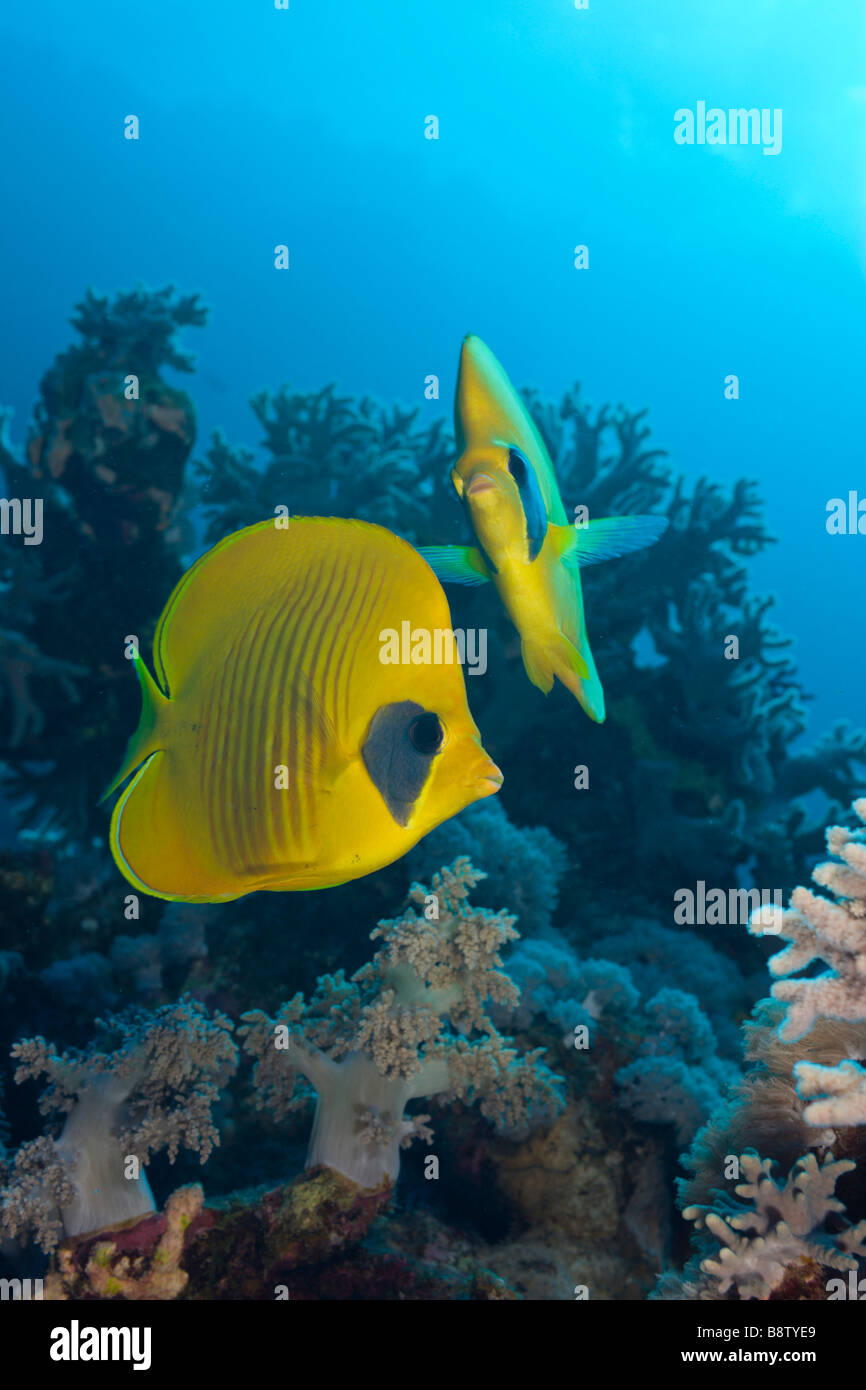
{"points": [[482, 482], [490, 780]]}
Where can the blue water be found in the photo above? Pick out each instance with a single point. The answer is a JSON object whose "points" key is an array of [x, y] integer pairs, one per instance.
{"points": [[306, 127]]}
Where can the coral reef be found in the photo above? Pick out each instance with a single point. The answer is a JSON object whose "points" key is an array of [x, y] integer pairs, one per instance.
{"points": [[156, 1090], [142, 1263], [544, 1182], [803, 1093], [818, 929], [106, 458], [523, 867], [332, 455], [317, 1237], [399, 1031], [667, 1071], [836, 1095], [774, 1227]]}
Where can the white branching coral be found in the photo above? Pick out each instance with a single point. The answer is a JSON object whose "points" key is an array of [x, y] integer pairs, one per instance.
{"points": [[805, 1085], [820, 929], [155, 1091], [401, 1029], [836, 1095], [774, 1226]]}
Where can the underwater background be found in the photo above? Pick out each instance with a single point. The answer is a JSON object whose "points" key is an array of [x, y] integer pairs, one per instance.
{"points": [[283, 220]]}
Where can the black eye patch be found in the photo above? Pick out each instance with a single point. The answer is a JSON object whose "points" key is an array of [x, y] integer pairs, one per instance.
{"points": [[401, 743], [534, 510], [517, 466]]}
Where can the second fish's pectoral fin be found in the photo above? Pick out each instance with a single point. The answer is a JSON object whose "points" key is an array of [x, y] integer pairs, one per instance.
{"points": [[456, 564], [606, 539]]}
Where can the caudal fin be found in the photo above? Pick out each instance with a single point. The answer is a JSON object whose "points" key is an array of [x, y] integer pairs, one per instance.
{"points": [[560, 659]]}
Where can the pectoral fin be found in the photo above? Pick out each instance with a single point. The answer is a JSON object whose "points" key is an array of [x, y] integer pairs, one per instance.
{"points": [[456, 564], [606, 539]]}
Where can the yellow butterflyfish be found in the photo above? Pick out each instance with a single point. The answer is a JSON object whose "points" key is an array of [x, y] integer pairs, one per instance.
{"points": [[276, 750], [505, 478]]}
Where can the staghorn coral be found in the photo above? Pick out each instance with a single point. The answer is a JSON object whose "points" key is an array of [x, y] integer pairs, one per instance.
{"points": [[804, 1090], [334, 456], [818, 929], [836, 1095], [400, 1030], [773, 1227], [155, 1091]]}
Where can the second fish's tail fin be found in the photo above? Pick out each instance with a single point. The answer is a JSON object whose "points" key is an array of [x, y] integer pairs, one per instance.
{"points": [[559, 659]]}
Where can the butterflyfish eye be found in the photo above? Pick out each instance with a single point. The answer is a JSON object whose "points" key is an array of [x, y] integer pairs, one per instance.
{"points": [[426, 733], [398, 752], [517, 466]]}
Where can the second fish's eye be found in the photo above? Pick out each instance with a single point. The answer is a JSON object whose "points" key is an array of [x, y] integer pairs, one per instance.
{"points": [[426, 733], [517, 466]]}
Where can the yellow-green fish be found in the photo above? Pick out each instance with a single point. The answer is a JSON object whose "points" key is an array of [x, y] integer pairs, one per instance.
{"points": [[525, 545], [275, 749]]}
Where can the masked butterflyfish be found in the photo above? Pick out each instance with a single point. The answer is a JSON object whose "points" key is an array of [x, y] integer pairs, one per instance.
{"points": [[276, 749], [525, 544]]}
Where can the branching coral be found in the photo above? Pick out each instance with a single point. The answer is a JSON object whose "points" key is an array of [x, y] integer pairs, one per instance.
{"points": [[105, 463], [334, 455], [804, 1091], [401, 1029], [818, 929], [155, 1091], [774, 1226], [836, 1095], [139, 324]]}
